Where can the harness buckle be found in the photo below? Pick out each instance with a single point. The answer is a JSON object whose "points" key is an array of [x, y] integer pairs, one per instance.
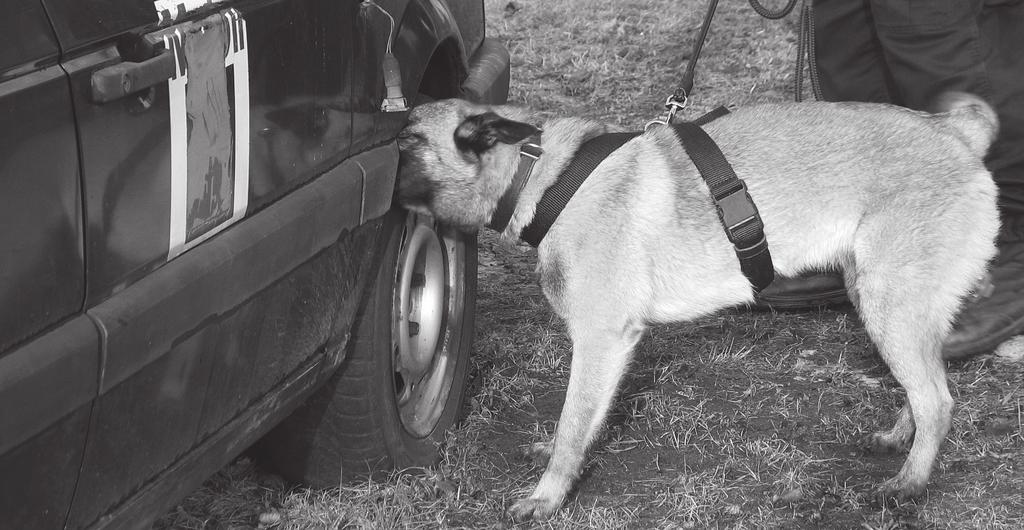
{"points": [[737, 209]]}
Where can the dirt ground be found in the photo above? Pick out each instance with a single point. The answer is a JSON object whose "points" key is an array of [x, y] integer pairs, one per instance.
{"points": [[741, 420]]}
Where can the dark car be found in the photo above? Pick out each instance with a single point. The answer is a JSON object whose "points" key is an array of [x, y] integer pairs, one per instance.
{"points": [[199, 252]]}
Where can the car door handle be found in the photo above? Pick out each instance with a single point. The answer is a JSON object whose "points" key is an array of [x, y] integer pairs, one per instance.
{"points": [[119, 80]]}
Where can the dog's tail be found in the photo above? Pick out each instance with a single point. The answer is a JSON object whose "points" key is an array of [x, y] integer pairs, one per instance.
{"points": [[974, 119]]}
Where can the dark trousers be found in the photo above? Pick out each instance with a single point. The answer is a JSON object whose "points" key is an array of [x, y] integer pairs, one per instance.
{"points": [[906, 52]]}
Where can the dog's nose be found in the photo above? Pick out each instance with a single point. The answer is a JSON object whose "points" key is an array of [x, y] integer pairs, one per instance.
{"points": [[406, 139]]}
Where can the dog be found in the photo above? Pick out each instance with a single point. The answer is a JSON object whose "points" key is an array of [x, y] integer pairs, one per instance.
{"points": [[899, 200]]}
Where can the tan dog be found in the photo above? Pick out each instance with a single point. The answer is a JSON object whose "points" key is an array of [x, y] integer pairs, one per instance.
{"points": [[898, 199]]}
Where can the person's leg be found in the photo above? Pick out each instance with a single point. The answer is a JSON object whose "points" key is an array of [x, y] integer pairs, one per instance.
{"points": [[931, 47], [850, 60], [1002, 34], [989, 320]]}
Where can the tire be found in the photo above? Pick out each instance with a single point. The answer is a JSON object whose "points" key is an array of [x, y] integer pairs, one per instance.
{"points": [[402, 383]]}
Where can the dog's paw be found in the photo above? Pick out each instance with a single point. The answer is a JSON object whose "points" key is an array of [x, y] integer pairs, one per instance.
{"points": [[885, 443], [532, 509], [900, 489], [539, 453]]}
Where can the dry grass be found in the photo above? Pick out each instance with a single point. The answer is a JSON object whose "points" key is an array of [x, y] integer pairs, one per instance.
{"points": [[742, 420]]}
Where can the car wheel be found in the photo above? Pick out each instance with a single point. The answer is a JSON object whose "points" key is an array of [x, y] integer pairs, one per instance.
{"points": [[402, 384]]}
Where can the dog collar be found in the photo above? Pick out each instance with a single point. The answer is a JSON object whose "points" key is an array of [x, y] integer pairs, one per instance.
{"points": [[529, 152]]}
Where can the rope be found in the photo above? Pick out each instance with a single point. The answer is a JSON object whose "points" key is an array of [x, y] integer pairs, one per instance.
{"points": [[804, 44], [805, 49], [772, 15]]}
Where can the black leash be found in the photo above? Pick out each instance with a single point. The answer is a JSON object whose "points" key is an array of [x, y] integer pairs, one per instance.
{"points": [[678, 99], [805, 47], [686, 87]]}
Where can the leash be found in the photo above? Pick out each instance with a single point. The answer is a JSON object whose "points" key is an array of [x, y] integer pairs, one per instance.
{"points": [[805, 47], [678, 100]]}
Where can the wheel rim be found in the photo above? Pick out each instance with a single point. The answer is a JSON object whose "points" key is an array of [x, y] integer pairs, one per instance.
{"points": [[428, 305]]}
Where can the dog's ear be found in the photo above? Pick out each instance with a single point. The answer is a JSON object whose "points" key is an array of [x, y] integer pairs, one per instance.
{"points": [[479, 133]]}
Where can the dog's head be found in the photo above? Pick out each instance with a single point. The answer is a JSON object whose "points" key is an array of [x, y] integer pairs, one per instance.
{"points": [[458, 158]]}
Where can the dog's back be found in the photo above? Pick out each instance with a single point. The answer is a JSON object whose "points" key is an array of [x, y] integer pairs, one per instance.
{"points": [[821, 174]]}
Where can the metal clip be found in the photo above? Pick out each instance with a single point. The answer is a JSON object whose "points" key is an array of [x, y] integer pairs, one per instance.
{"points": [[673, 104]]}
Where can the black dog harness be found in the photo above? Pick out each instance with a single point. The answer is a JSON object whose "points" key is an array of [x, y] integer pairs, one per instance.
{"points": [[736, 210]]}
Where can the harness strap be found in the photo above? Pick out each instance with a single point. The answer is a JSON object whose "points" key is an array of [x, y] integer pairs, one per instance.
{"points": [[587, 158], [736, 210], [711, 116]]}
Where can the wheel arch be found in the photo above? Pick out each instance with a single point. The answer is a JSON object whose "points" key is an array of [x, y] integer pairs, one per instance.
{"points": [[431, 49]]}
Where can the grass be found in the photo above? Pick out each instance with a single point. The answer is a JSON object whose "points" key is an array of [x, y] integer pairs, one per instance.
{"points": [[741, 420]]}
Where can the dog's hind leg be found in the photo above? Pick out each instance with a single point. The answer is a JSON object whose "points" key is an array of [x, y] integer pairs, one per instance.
{"points": [[599, 360], [902, 432], [909, 286], [908, 336]]}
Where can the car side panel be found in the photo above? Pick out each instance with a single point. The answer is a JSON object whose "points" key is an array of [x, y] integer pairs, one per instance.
{"points": [[49, 359], [302, 59], [191, 340], [201, 352], [46, 392], [299, 120], [353, 256], [41, 266], [194, 343]]}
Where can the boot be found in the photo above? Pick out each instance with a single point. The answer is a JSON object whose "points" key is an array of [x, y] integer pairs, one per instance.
{"points": [[996, 315], [807, 291]]}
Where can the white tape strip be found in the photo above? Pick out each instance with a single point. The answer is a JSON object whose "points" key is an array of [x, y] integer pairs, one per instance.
{"points": [[179, 145], [238, 58]]}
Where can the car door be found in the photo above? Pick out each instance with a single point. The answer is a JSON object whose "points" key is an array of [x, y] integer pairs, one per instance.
{"points": [[49, 351], [198, 120]]}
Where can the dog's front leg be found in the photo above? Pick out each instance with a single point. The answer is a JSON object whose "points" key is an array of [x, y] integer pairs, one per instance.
{"points": [[599, 359]]}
